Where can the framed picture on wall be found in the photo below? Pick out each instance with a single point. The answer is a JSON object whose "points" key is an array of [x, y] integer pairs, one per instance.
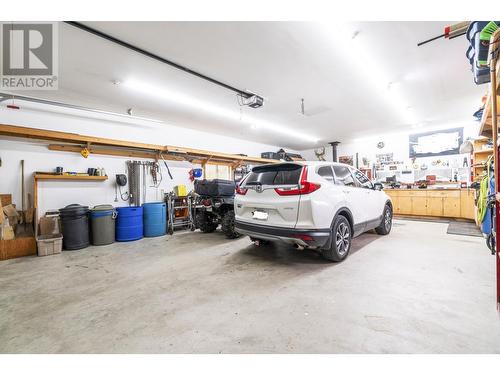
{"points": [[436, 143], [346, 159]]}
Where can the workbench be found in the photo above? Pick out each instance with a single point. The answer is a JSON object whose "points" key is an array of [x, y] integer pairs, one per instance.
{"points": [[440, 203]]}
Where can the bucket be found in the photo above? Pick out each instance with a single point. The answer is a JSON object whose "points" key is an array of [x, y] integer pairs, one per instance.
{"points": [[155, 219], [75, 226], [102, 224], [129, 225]]}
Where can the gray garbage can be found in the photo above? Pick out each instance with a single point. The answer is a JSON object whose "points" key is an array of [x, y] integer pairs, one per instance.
{"points": [[102, 223]]}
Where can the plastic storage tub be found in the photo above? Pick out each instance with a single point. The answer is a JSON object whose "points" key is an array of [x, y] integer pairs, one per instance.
{"points": [[270, 155], [102, 224], [155, 219], [129, 225], [75, 226], [49, 244]]}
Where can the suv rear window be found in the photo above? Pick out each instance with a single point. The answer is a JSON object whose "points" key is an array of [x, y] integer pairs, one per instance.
{"points": [[284, 174]]}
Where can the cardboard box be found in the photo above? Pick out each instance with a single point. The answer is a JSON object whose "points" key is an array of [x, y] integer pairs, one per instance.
{"points": [[11, 213], [49, 226], [6, 199], [7, 232], [2, 215]]}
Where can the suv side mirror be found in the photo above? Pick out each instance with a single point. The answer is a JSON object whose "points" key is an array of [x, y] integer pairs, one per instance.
{"points": [[378, 186]]}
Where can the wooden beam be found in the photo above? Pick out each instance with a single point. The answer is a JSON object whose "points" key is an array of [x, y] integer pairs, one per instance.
{"points": [[51, 135], [188, 153], [117, 152], [111, 152], [217, 155]]}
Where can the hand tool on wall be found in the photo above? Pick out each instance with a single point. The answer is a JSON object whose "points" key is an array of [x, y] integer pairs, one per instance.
{"points": [[166, 166], [450, 32]]}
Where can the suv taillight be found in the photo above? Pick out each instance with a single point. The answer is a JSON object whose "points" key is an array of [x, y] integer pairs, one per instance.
{"points": [[240, 191], [306, 187]]}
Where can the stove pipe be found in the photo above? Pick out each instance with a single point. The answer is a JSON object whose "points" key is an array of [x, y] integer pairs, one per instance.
{"points": [[334, 150]]}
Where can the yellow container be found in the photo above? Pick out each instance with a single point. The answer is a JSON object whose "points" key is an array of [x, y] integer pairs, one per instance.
{"points": [[180, 190]]}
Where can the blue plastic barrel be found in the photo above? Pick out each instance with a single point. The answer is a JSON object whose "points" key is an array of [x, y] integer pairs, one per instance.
{"points": [[129, 223], [155, 219]]}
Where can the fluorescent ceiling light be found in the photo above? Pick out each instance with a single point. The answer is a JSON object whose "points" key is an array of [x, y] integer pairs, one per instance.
{"points": [[201, 105], [74, 110]]}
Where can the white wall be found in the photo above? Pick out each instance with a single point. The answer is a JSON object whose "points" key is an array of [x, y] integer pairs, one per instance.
{"points": [[57, 194]]}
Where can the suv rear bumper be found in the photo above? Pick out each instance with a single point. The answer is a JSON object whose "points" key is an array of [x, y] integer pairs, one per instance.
{"points": [[304, 237]]}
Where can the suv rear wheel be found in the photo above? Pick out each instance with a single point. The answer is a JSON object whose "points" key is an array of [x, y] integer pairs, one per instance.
{"points": [[340, 242], [386, 224]]}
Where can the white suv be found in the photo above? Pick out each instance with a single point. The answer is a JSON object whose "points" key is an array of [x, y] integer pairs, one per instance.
{"points": [[319, 205]]}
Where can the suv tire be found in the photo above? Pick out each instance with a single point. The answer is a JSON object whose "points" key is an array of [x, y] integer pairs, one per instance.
{"points": [[340, 243], [386, 224], [228, 225], [206, 223]]}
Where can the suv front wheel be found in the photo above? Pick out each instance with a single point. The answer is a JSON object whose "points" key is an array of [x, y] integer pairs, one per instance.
{"points": [[340, 243]]}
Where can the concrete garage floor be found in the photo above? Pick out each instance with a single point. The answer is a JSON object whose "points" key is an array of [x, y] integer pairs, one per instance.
{"points": [[418, 290]]}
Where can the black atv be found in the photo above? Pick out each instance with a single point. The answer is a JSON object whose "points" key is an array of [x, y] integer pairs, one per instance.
{"points": [[214, 205]]}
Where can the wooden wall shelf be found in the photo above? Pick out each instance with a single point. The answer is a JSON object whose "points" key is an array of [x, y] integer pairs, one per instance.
{"points": [[484, 152], [63, 177], [56, 177]]}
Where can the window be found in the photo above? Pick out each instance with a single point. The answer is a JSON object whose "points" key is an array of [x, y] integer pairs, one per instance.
{"points": [[362, 180], [326, 172], [343, 176], [284, 174], [217, 171]]}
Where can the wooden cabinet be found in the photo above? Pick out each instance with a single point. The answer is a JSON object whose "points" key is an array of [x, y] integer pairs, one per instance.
{"points": [[451, 206], [434, 206], [467, 207], [452, 203], [419, 205]]}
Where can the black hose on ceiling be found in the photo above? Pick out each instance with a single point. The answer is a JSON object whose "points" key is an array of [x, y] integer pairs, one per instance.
{"points": [[122, 43]]}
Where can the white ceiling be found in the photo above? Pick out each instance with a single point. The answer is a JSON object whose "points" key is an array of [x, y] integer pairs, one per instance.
{"points": [[345, 81]]}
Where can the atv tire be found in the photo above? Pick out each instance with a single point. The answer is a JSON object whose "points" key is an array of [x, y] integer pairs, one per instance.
{"points": [[205, 222], [228, 225]]}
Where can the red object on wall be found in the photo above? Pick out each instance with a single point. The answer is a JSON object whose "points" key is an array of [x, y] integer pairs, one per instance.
{"points": [[367, 172]]}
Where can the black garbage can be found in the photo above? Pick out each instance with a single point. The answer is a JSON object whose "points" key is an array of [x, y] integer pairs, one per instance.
{"points": [[75, 226]]}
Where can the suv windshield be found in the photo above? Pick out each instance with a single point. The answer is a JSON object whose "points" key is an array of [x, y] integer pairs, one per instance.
{"points": [[284, 174]]}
